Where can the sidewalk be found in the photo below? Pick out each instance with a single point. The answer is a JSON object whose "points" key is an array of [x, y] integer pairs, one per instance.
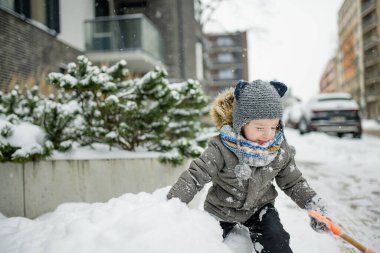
{"points": [[371, 127]]}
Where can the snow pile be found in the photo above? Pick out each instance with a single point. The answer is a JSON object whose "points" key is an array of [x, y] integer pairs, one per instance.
{"points": [[131, 223], [370, 124], [101, 151], [344, 172], [27, 142], [25, 145]]}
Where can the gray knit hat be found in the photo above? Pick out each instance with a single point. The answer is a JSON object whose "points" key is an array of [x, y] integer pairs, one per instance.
{"points": [[257, 100]]}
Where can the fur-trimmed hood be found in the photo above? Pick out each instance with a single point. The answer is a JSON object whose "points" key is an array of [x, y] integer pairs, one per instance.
{"points": [[222, 108]]}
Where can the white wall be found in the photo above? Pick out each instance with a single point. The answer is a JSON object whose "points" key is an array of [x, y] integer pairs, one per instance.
{"points": [[72, 16]]}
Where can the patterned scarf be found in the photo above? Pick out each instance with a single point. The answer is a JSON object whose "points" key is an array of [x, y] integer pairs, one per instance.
{"points": [[250, 153]]}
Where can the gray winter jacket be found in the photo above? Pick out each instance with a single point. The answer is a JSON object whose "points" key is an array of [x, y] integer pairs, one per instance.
{"points": [[229, 198], [232, 200]]}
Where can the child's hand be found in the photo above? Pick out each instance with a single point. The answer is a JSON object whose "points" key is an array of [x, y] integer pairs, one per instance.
{"points": [[318, 226], [318, 205]]}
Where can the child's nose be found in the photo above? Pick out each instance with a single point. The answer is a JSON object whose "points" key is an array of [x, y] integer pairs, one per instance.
{"points": [[268, 133]]}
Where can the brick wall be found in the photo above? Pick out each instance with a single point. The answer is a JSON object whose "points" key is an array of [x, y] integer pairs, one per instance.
{"points": [[27, 52]]}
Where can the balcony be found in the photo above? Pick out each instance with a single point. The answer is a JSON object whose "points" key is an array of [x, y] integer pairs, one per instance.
{"points": [[368, 6], [371, 59], [369, 23], [370, 42], [372, 77], [130, 37]]}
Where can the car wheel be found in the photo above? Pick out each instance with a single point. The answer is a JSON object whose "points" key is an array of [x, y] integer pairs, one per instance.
{"points": [[357, 136], [303, 127]]}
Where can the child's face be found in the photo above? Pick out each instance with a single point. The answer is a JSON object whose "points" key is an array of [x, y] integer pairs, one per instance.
{"points": [[261, 130]]}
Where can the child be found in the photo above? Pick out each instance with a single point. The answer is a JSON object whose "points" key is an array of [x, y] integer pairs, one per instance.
{"points": [[242, 162]]}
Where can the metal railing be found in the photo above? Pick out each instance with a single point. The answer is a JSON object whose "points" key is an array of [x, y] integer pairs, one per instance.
{"points": [[368, 6], [369, 23], [124, 33]]}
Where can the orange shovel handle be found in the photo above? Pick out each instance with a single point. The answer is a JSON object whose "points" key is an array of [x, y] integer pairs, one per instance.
{"points": [[331, 226], [336, 230]]}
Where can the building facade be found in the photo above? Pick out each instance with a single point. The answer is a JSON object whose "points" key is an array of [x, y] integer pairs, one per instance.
{"points": [[370, 15], [163, 33], [350, 52], [329, 80], [29, 51], [359, 53], [227, 60]]}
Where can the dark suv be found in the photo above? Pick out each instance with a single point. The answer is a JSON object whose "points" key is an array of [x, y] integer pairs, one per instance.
{"points": [[335, 113]]}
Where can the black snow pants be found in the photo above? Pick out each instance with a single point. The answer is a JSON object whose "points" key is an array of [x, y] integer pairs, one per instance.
{"points": [[266, 231]]}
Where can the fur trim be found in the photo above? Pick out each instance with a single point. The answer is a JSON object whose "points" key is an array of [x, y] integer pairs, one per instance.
{"points": [[222, 108]]}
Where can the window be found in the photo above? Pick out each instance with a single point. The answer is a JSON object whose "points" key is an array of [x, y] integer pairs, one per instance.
{"points": [[102, 8], [7, 4], [43, 11], [225, 57], [224, 41], [226, 74], [130, 7]]}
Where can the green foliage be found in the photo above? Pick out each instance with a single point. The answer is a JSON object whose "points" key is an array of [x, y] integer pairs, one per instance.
{"points": [[99, 105], [11, 151], [6, 151]]}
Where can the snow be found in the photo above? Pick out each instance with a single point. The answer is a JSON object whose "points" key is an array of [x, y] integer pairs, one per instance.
{"points": [[102, 151], [370, 124], [72, 81], [70, 108], [112, 99], [343, 171], [339, 104], [30, 143]]}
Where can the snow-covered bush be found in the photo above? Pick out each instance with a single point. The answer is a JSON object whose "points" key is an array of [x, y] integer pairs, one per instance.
{"points": [[20, 106], [22, 142], [101, 105]]}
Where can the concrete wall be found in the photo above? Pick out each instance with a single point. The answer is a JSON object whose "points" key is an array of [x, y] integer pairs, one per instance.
{"points": [[35, 188]]}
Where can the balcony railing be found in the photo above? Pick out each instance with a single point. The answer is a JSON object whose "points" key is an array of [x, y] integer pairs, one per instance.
{"points": [[369, 23], [124, 33], [368, 6], [370, 41]]}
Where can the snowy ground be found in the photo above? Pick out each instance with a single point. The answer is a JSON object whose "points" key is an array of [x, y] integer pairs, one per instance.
{"points": [[343, 171]]}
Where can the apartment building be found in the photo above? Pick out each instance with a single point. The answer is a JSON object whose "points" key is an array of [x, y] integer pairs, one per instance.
{"points": [[227, 60], [163, 33], [370, 16], [329, 80], [358, 58], [350, 52]]}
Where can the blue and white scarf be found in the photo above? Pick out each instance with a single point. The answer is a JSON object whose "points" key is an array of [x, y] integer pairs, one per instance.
{"points": [[250, 153]]}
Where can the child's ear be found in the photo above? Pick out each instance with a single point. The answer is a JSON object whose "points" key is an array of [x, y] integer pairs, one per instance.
{"points": [[239, 87], [280, 87]]}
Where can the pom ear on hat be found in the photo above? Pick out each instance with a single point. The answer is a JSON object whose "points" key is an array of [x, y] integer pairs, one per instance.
{"points": [[280, 87], [239, 87]]}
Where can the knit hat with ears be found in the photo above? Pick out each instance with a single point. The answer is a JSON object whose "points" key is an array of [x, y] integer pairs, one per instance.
{"points": [[257, 100]]}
